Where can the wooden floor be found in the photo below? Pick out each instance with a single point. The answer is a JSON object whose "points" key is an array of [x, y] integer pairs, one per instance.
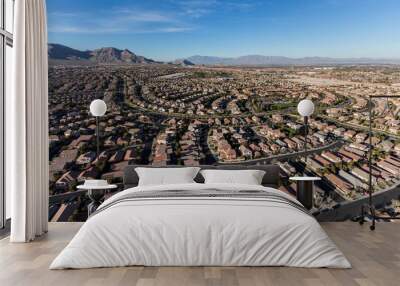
{"points": [[375, 257]]}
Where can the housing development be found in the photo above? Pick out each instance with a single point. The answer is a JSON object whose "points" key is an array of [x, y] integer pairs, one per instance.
{"points": [[164, 114]]}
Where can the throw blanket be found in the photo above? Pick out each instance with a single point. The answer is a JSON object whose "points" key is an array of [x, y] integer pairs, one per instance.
{"points": [[206, 194]]}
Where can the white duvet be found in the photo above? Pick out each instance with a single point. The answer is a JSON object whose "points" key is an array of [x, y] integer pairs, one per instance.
{"points": [[202, 232]]}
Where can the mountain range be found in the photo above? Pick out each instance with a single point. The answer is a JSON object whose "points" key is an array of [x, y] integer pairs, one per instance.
{"points": [[258, 60], [102, 55], [182, 62], [65, 54]]}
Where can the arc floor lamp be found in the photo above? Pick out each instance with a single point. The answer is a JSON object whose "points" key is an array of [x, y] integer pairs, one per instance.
{"points": [[370, 207]]}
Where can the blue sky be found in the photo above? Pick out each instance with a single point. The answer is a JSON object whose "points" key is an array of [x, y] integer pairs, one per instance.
{"points": [[171, 29]]}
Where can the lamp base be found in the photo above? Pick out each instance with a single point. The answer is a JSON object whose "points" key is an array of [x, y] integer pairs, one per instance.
{"points": [[370, 209]]}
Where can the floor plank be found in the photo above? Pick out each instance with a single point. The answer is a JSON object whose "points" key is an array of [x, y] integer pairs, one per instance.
{"points": [[375, 257]]}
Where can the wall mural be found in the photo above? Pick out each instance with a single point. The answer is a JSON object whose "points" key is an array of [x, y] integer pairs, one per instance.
{"points": [[238, 105], [186, 114]]}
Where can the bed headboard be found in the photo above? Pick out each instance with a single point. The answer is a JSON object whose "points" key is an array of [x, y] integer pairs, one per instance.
{"points": [[271, 178]]}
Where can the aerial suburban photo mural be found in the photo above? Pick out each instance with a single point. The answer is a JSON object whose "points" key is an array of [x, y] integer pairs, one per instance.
{"points": [[172, 108]]}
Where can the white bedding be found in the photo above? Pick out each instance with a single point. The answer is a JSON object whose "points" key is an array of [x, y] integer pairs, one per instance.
{"points": [[200, 231]]}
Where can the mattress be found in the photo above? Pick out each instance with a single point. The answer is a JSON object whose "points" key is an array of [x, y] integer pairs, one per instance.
{"points": [[201, 225]]}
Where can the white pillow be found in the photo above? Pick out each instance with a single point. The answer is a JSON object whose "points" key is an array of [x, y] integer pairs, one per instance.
{"points": [[166, 176], [243, 177]]}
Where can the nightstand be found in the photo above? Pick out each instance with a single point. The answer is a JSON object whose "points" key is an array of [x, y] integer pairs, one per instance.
{"points": [[305, 190], [95, 193]]}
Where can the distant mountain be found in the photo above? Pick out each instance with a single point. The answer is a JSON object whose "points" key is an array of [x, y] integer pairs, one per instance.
{"points": [[182, 62], [113, 55], [103, 55], [258, 60], [60, 52]]}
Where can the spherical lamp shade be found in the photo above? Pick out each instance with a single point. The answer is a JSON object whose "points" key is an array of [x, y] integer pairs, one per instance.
{"points": [[98, 107], [305, 107]]}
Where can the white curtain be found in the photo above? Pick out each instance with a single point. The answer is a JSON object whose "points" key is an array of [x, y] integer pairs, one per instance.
{"points": [[27, 124]]}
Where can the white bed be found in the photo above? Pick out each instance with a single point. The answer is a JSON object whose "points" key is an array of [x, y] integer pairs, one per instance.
{"points": [[200, 231]]}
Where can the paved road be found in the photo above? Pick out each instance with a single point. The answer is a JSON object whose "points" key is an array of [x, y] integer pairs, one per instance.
{"points": [[358, 127], [65, 196], [284, 157]]}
